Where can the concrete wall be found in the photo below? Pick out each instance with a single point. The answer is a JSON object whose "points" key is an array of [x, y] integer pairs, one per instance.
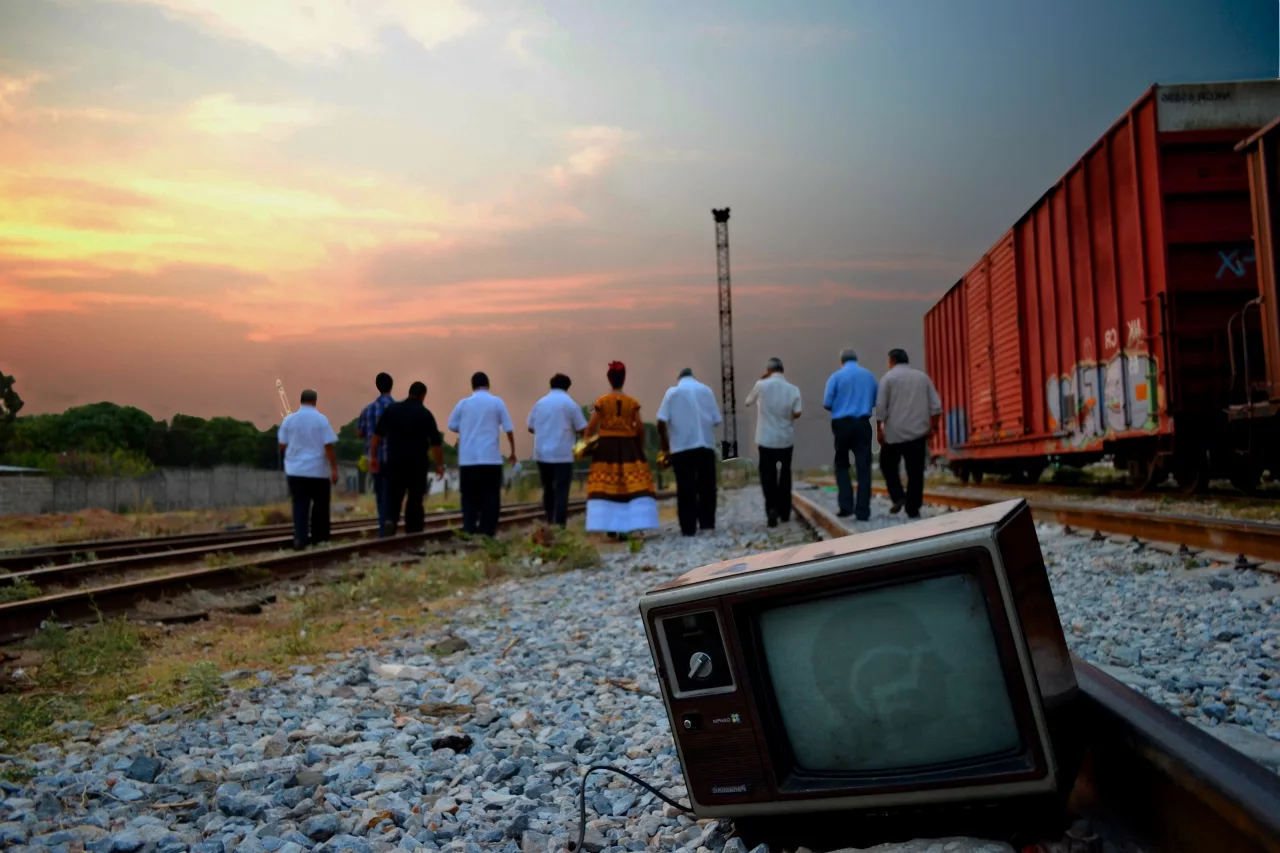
{"points": [[168, 489]]}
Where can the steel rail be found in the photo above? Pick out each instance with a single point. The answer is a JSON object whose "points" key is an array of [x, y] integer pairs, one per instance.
{"points": [[1254, 541], [73, 572], [60, 553], [22, 618], [1148, 776]]}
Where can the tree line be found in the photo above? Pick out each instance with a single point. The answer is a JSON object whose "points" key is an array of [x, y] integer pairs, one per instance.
{"points": [[109, 439]]}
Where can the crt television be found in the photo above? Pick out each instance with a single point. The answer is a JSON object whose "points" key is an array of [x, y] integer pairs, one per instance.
{"points": [[915, 674]]}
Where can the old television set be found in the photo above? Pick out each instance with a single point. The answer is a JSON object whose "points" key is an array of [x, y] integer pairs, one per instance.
{"points": [[912, 681]]}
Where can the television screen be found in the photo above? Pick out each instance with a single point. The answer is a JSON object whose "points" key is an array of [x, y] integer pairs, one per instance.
{"points": [[885, 679]]}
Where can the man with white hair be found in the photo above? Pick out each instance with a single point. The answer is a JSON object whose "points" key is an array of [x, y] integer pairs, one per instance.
{"points": [[850, 397], [777, 404], [687, 420]]}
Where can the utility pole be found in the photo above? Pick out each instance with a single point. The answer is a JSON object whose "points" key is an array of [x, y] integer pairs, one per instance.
{"points": [[728, 398]]}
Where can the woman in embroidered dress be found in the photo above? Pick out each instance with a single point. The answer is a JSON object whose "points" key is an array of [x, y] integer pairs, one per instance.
{"points": [[620, 493]]}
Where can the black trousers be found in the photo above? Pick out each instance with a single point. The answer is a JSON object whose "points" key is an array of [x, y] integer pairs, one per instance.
{"points": [[775, 481], [853, 435], [310, 497], [557, 477], [695, 472], [913, 454], [481, 487], [406, 481]]}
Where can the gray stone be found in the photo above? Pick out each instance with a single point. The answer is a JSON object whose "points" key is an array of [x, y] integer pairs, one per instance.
{"points": [[144, 769], [126, 841], [321, 827], [126, 792], [534, 842]]}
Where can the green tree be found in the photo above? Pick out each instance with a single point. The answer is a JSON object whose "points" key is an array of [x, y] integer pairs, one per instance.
{"points": [[104, 427], [350, 446], [10, 405]]}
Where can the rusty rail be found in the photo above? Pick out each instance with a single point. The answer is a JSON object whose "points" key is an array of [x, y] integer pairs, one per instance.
{"points": [[1254, 540], [71, 573], [212, 540], [21, 618]]}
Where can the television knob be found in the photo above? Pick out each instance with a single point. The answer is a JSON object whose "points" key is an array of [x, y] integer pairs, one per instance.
{"points": [[700, 665]]}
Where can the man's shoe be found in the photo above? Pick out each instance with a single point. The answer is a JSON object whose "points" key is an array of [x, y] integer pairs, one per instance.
{"points": [[844, 513], [895, 509], [915, 514], [863, 518], [773, 521]]}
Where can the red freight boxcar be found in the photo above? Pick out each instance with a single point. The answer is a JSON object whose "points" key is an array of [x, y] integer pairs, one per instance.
{"points": [[1099, 323]]}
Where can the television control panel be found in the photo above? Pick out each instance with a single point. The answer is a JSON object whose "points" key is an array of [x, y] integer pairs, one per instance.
{"points": [[713, 724]]}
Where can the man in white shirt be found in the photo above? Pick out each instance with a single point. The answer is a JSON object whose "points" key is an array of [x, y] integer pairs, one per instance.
{"points": [[687, 420], [479, 421], [311, 466], [555, 422], [777, 404]]}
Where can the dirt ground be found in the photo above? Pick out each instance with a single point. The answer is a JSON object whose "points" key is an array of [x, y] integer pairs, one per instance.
{"points": [[25, 531]]}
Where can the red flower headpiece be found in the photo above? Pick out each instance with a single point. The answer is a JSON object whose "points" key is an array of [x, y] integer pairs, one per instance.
{"points": [[615, 366]]}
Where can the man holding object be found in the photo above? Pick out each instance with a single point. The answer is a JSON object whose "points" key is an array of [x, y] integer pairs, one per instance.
{"points": [[311, 466]]}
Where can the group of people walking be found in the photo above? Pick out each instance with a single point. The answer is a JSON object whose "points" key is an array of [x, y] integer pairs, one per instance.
{"points": [[404, 443]]}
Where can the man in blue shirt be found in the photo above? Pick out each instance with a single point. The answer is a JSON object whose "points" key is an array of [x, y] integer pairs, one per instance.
{"points": [[365, 427], [851, 398]]}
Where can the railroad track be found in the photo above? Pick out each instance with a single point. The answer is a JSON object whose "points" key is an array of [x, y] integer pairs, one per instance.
{"points": [[1246, 544], [1150, 778], [212, 540], [22, 618]]}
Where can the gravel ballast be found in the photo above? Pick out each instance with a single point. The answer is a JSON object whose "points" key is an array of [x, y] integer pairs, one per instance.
{"points": [[478, 745]]}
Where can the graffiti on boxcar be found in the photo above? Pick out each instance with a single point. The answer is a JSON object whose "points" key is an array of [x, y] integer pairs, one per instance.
{"points": [[957, 427], [1234, 262], [1097, 400]]}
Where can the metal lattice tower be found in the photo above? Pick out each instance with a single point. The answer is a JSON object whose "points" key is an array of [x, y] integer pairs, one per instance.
{"points": [[728, 398]]}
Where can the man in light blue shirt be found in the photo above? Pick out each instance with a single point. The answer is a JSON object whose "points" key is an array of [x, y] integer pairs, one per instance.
{"points": [[479, 421], [851, 399]]}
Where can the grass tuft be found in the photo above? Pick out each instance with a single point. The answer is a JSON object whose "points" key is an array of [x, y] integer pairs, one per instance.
{"points": [[19, 589]]}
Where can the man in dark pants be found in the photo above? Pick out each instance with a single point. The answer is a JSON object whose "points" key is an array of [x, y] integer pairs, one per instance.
{"points": [[409, 430], [479, 421], [311, 464], [365, 426], [908, 412], [851, 398], [555, 421], [687, 420], [777, 404]]}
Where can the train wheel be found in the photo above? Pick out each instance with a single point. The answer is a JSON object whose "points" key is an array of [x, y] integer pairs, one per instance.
{"points": [[1033, 472], [1245, 475], [977, 478], [963, 474], [1146, 472], [1191, 470]]}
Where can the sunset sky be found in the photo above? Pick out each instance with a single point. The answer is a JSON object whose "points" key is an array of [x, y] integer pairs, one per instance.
{"points": [[198, 197]]}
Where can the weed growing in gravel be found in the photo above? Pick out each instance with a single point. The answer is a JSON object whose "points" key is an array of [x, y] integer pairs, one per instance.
{"points": [[19, 589], [108, 647], [635, 545], [217, 559], [204, 684]]}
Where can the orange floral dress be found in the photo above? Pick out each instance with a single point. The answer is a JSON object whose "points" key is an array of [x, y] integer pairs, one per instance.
{"points": [[620, 490]]}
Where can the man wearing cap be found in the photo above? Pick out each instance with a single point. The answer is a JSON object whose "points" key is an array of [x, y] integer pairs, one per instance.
{"points": [[908, 412], [850, 397], [777, 404], [687, 420]]}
